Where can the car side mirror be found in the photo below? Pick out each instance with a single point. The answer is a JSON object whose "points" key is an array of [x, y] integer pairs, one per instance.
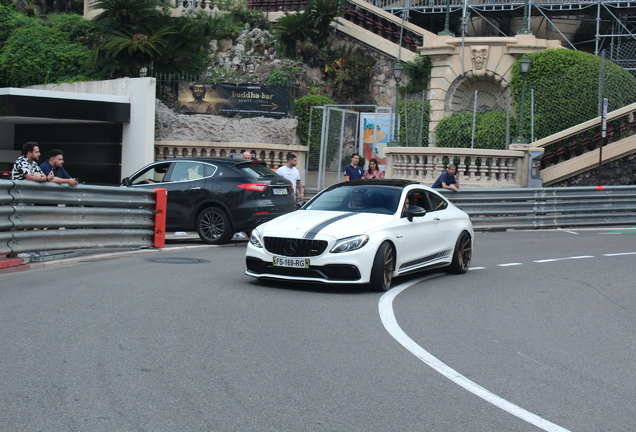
{"points": [[414, 211], [125, 181]]}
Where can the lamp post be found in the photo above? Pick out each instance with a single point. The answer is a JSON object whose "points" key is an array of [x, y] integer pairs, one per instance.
{"points": [[525, 68], [397, 74], [526, 20], [446, 31]]}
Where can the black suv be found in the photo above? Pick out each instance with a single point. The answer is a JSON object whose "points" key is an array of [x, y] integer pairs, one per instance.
{"points": [[217, 196]]}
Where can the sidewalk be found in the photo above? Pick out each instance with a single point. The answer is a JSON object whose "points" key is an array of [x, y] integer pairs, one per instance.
{"points": [[174, 242]]}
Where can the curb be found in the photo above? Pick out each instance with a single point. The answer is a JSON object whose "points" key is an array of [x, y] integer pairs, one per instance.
{"points": [[112, 255]]}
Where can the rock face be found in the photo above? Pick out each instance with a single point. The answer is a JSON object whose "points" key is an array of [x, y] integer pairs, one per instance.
{"points": [[251, 58], [171, 126]]}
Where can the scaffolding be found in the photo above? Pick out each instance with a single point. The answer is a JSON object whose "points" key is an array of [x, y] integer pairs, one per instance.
{"points": [[613, 22]]}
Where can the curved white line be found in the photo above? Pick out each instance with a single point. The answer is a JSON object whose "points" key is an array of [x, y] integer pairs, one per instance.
{"points": [[390, 323]]}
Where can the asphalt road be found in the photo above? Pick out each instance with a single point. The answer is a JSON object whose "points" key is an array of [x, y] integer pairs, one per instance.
{"points": [[539, 335]]}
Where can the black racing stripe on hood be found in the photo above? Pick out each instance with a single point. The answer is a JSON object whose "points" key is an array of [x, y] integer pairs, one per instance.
{"points": [[311, 234]]}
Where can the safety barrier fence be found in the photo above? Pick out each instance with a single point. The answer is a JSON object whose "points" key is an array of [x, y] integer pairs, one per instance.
{"points": [[500, 209], [46, 216]]}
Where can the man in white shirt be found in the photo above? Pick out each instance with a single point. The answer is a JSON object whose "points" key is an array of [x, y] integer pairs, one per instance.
{"points": [[290, 172]]}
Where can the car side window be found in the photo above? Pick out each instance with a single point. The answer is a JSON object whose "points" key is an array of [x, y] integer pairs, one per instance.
{"points": [[209, 170], [154, 174], [186, 171], [420, 198], [437, 202]]}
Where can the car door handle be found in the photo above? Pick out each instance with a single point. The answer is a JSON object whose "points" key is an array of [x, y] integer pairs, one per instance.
{"points": [[195, 188], [435, 220]]}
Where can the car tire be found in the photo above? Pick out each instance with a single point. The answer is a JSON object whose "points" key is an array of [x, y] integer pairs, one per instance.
{"points": [[214, 227], [462, 254], [382, 270]]}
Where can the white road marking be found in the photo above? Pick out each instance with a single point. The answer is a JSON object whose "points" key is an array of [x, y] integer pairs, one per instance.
{"points": [[509, 264], [619, 254], [391, 325], [571, 232], [476, 268], [563, 259]]}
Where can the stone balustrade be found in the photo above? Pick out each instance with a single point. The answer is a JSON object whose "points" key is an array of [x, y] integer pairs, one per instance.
{"points": [[275, 155], [479, 168]]}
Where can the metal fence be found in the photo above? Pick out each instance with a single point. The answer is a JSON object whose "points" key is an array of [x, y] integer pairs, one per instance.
{"points": [[333, 136], [44, 217], [414, 116], [501, 209]]}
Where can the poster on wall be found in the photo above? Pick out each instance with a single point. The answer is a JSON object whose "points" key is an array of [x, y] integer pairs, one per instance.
{"points": [[252, 99], [375, 129]]}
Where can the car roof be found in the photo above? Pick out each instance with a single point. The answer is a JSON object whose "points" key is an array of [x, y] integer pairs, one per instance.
{"points": [[225, 161], [381, 182]]}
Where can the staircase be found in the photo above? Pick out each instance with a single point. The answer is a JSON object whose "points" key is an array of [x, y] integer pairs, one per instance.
{"points": [[364, 22], [571, 152]]}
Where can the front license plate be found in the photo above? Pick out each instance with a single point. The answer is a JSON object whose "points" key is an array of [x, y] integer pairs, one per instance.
{"points": [[279, 191], [291, 262]]}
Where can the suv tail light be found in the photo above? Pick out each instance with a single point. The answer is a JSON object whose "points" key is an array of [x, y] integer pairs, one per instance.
{"points": [[256, 187]]}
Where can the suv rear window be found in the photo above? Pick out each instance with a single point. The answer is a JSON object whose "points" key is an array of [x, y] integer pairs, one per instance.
{"points": [[255, 170]]}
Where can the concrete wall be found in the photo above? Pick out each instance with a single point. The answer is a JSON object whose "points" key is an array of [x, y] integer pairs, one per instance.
{"points": [[138, 135]]}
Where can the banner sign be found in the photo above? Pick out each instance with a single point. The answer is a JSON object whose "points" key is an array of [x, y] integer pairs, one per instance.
{"points": [[375, 129], [252, 99]]}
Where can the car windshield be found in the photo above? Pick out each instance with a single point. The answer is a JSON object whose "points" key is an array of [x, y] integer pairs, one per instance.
{"points": [[358, 199], [256, 170]]}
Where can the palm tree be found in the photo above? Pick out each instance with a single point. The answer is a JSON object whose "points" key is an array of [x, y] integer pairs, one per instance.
{"points": [[143, 42], [130, 11], [324, 12], [293, 27]]}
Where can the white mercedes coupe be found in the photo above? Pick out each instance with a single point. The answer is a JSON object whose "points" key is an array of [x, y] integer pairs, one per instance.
{"points": [[363, 232]]}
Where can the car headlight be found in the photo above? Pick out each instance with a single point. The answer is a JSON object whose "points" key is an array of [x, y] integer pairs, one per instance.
{"points": [[255, 239], [350, 243]]}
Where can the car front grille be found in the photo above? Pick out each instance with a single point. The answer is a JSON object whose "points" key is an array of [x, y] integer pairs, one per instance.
{"points": [[295, 247], [330, 272]]}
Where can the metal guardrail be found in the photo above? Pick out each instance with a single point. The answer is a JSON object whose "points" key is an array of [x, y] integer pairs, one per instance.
{"points": [[73, 218], [500, 209]]}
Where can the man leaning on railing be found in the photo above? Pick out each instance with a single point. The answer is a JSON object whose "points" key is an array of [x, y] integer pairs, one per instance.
{"points": [[26, 166], [54, 164], [449, 179]]}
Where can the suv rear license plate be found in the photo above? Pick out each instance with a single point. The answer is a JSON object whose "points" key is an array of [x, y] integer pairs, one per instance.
{"points": [[291, 262], [279, 191]]}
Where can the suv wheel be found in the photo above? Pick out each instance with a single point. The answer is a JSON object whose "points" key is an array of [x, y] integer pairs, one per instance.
{"points": [[214, 227]]}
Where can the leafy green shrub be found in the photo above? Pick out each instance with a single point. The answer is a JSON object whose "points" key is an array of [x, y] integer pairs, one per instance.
{"points": [[11, 20], [566, 87], [40, 55], [255, 18], [224, 26], [419, 72], [76, 28], [350, 72], [490, 130], [283, 77], [455, 130]]}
